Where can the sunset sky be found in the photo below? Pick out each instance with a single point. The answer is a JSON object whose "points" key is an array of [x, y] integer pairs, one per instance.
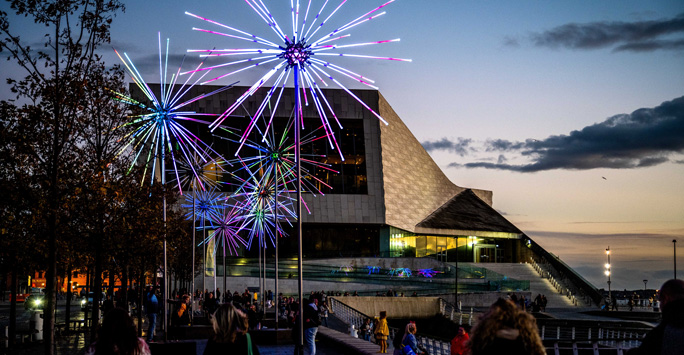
{"points": [[572, 112]]}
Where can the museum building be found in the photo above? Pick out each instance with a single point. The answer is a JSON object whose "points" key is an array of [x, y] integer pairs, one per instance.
{"points": [[386, 198]]}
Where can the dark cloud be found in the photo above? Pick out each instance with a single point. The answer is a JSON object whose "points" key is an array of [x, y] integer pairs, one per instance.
{"points": [[636, 36], [461, 146], [511, 41], [644, 138], [650, 46], [493, 145]]}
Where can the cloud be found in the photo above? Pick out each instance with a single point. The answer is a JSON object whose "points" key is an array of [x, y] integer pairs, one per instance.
{"points": [[650, 46], [638, 36], [644, 138], [460, 146], [511, 41], [501, 145]]}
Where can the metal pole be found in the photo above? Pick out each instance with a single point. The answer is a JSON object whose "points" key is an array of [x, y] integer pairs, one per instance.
{"points": [[224, 270], [300, 277], [674, 244], [261, 290], [275, 174], [204, 258], [166, 283], [456, 278], [610, 297], [192, 290]]}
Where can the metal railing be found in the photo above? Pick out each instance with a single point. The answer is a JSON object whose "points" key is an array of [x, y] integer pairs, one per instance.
{"points": [[557, 338], [630, 337], [455, 314], [351, 316], [557, 285], [566, 275]]}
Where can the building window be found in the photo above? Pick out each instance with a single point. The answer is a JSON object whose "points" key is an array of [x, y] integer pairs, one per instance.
{"points": [[402, 243]]}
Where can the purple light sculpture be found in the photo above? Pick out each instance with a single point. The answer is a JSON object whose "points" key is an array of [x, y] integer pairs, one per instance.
{"points": [[298, 54]]}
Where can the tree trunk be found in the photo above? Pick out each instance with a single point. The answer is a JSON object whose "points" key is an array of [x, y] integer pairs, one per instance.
{"points": [[112, 279], [67, 313], [124, 287], [97, 287], [50, 277], [14, 289], [141, 286]]}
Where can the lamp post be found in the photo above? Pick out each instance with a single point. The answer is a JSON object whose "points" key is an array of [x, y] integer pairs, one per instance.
{"points": [[607, 272], [645, 282], [674, 245]]}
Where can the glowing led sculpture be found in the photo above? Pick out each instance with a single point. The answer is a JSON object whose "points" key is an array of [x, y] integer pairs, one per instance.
{"points": [[428, 272], [259, 207], [275, 153], [373, 270], [400, 272], [298, 55], [228, 223], [303, 54], [199, 174], [158, 130], [205, 205]]}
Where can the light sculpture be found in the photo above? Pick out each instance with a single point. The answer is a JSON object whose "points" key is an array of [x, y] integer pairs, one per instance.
{"points": [[228, 223], [303, 55], [158, 129], [300, 55]]}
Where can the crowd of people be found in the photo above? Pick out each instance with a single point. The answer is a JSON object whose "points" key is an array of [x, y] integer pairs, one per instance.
{"points": [[537, 305], [506, 328]]}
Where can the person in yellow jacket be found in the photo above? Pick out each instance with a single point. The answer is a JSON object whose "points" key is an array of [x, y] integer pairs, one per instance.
{"points": [[382, 332]]}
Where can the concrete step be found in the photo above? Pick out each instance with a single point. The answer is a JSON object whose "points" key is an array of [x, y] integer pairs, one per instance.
{"points": [[538, 285]]}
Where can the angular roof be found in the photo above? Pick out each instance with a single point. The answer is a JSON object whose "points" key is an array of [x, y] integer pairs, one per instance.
{"points": [[466, 211]]}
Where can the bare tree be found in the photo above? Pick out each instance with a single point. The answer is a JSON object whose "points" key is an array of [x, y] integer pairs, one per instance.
{"points": [[54, 87]]}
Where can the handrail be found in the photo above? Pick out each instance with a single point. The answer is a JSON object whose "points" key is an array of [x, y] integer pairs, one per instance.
{"points": [[351, 316], [576, 279], [455, 314], [557, 285], [610, 338]]}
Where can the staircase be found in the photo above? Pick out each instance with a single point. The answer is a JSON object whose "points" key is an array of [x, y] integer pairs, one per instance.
{"points": [[556, 294]]}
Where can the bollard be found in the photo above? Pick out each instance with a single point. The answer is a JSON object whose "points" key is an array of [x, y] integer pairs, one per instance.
{"points": [[36, 323]]}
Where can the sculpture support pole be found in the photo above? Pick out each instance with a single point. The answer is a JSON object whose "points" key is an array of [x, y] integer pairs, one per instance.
{"points": [[275, 277], [300, 277], [192, 290], [165, 295]]}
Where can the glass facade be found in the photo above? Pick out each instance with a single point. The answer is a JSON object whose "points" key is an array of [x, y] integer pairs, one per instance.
{"points": [[337, 176], [452, 248]]}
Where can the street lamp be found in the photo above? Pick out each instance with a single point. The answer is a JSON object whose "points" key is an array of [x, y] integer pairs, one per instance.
{"points": [[645, 282], [607, 272], [674, 243]]}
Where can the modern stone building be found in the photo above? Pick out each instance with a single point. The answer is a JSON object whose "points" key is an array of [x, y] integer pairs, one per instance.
{"points": [[387, 198]]}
